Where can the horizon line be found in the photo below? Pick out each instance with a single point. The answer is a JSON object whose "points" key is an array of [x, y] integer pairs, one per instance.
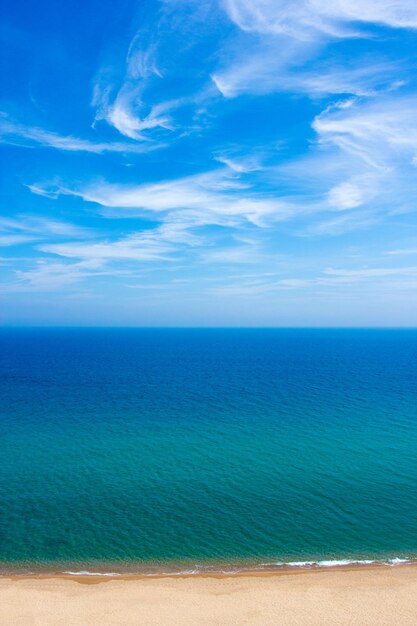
{"points": [[197, 327]]}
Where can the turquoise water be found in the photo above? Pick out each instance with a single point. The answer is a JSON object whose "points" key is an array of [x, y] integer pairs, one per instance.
{"points": [[146, 449]]}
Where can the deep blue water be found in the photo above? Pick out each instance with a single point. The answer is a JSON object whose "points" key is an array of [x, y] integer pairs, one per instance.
{"points": [[144, 447]]}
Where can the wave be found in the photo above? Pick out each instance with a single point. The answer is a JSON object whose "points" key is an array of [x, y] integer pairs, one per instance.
{"points": [[345, 562], [238, 569], [87, 573]]}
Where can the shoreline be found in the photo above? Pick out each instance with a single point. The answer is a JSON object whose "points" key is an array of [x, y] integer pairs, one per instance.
{"points": [[367, 595], [92, 577]]}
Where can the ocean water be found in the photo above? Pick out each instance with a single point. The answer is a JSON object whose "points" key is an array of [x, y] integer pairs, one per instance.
{"points": [[179, 450]]}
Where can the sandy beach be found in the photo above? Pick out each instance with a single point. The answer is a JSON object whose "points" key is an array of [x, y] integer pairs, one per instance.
{"points": [[382, 596]]}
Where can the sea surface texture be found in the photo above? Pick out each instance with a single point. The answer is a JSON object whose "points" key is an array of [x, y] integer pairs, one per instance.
{"points": [[176, 449]]}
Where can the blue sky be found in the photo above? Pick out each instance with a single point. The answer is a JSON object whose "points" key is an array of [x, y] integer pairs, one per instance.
{"points": [[232, 162]]}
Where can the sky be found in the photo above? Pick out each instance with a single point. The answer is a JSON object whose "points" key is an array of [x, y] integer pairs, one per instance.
{"points": [[209, 163]]}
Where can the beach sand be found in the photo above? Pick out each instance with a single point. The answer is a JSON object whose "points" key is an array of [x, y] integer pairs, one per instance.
{"points": [[380, 596]]}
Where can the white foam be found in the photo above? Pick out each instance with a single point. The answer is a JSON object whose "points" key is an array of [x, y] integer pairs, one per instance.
{"points": [[342, 562], [87, 573], [201, 569]]}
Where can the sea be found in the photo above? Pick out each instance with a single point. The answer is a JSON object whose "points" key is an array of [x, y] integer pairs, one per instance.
{"points": [[128, 450]]}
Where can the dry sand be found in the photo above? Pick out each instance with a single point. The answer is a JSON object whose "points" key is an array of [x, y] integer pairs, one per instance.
{"points": [[381, 596]]}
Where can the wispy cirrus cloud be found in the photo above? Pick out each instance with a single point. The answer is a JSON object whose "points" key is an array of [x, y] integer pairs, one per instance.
{"points": [[37, 225], [15, 240], [216, 197], [375, 131], [371, 272], [32, 136], [361, 162], [361, 145], [29, 229], [328, 278], [265, 70], [281, 47], [128, 96], [303, 19], [47, 275], [403, 251], [87, 251], [159, 243], [122, 114]]}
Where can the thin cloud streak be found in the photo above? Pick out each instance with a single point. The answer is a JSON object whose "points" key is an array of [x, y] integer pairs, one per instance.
{"points": [[308, 19], [215, 198], [30, 136]]}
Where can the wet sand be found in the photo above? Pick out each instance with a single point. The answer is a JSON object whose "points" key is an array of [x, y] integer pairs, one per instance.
{"points": [[383, 596]]}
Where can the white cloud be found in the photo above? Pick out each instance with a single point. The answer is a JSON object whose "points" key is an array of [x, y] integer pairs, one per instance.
{"points": [[240, 165], [141, 62], [403, 251], [30, 229], [147, 245], [215, 197], [131, 248], [49, 276], [140, 95], [305, 19], [19, 134], [371, 272], [341, 279], [119, 98], [259, 67], [265, 70], [93, 258], [392, 13], [14, 240], [341, 224], [296, 19], [361, 163], [346, 195], [123, 116], [363, 128], [239, 254], [280, 44]]}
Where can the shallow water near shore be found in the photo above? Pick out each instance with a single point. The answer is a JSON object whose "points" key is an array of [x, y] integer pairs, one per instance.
{"points": [[190, 450]]}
